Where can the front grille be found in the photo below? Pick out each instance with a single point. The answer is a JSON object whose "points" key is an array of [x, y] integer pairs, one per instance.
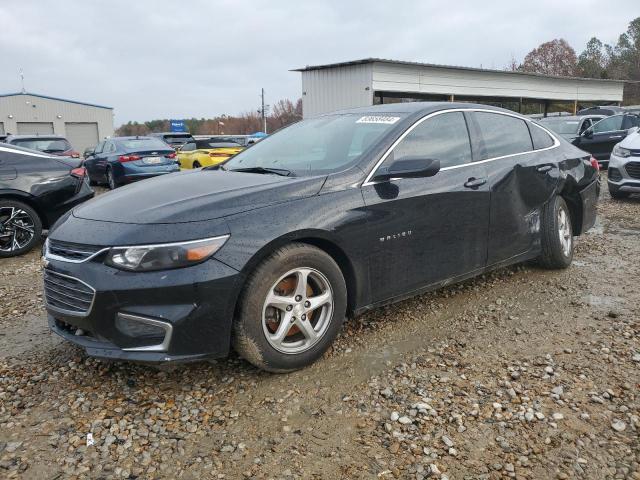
{"points": [[633, 169], [614, 174], [71, 251], [67, 294]]}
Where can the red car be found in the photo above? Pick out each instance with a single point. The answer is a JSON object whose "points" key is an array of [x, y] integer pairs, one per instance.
{"points": [[51, 144]]}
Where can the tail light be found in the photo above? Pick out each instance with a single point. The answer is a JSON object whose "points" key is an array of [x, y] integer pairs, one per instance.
{"points": [[128, 158], [595, 164], [218, 155], [171, 155], [79, 172]]}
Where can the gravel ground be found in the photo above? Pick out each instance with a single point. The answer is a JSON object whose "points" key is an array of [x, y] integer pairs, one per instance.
{"points": [[523, 373]]}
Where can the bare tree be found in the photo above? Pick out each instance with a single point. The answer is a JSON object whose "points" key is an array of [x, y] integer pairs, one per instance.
{"points": [[552, 58]]}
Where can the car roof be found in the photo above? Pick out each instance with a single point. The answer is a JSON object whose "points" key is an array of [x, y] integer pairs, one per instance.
{"points": [[35, 136], [419, 108], [572, 117], [132, 137]]}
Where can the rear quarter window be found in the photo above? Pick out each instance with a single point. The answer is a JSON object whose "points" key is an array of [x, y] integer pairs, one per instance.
{"points": [[541, 139], [502, 135]]}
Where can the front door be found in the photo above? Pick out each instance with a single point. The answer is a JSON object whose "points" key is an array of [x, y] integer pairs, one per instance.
{"points": [[426, 231], [602, 136]]}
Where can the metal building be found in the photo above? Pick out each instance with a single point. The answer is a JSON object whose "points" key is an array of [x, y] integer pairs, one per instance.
{"points": [[83, 124], [360, 83]]}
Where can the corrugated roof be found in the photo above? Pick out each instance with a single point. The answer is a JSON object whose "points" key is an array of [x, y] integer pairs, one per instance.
{"points": [[53, 98], [435, 65]]}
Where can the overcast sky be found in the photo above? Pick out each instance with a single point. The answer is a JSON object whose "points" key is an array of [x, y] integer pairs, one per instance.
{"points": [[179, 59]]}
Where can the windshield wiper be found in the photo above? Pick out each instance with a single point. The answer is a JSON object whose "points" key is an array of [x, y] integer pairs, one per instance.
{"points": [[277, 171]]}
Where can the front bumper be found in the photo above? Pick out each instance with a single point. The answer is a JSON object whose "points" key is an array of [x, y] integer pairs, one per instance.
{"points": [[192, 309], [624, 174]]}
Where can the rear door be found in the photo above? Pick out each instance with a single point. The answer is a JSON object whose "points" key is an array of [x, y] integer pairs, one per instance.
{"points": [[426, 231], [522, 179]]}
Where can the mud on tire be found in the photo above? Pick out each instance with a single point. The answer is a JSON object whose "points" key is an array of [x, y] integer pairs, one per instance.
{"points": [[269, 330]]}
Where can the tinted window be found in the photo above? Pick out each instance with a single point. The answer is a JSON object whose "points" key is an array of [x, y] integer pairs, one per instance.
{"points": [[630, 121], [47, 145], [608, 124], [216, 143], [188, 147], [444, 137], [541, 139], [138, 144], [502, 135], [99, 147]]}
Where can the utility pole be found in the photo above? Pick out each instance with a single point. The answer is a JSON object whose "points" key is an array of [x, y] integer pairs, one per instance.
{"points": [[264, 115]]}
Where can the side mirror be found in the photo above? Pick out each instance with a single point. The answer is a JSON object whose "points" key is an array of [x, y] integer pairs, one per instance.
{"points": [[588, 133], [408, 167]]}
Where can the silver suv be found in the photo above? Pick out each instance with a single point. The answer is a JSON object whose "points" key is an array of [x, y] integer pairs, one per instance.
{"points": [[624, 167]]}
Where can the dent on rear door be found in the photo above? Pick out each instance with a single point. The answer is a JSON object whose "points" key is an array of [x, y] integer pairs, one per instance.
{"points": [[520, 186]]}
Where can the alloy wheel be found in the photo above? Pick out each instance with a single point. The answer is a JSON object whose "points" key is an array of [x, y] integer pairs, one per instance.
{"points": [[297, 311], [17, 229], [564, 232]]}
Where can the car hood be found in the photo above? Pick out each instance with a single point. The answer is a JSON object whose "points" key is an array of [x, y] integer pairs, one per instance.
{"points": [[194, 196], [631, 141]]}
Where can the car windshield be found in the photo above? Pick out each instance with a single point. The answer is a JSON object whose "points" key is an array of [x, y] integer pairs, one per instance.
{"points": [[141, 144], [48, 145], [318, 145], [561, 125]]}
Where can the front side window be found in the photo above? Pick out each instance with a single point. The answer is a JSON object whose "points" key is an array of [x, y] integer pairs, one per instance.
{"points": [[502, 135], [319, 145], [610, 124], [443, 137]]}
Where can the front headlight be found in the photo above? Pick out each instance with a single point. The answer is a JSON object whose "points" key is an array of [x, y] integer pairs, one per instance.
{"points": [[145, 258], [618, 151]]}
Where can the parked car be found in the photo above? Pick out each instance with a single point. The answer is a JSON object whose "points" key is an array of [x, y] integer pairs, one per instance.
{"points": [[52, 144], [207, 152], [121, 160], [175, 139], [600, 138], [329, 217], [606, 110], [35, 190], [623, 176], [570, 127]]}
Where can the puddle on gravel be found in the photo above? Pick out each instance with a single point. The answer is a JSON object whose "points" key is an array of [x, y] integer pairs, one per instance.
{"points": [[603, 303]]}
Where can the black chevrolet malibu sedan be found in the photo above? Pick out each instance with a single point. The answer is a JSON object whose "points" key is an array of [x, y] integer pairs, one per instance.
{"points": [[327, 218]]}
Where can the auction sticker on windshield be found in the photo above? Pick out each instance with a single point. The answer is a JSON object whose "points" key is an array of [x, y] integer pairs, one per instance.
{"points": [[378, 119]]}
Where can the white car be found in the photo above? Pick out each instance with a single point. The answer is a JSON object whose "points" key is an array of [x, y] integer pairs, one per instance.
{"points": [[624, 167]]}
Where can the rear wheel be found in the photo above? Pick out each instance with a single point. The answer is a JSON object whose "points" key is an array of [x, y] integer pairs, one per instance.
{"points": [[20, 228], [196, 164], [111, 181], [556, 235], [291, 309]]}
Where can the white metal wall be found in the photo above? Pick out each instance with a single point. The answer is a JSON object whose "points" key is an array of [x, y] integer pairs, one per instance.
{"points": [[30, 108], [440, 80], [82, 135], [337, 88]]}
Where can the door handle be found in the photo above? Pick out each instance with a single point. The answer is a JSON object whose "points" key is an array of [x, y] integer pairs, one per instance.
{"points": [[475, 182], [544, 168]]}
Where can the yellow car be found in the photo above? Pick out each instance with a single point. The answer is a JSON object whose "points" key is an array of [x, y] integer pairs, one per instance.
{"points": [[206, 152]]}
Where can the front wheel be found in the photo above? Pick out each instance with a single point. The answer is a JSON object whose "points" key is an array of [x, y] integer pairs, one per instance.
{"points": [[111, 181], [556, 235], [20, 228], [291, 309]]}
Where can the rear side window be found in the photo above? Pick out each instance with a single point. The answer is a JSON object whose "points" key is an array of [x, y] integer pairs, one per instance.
{"points": [[541, 139], [444, 137], [630, 121], [502, 135]]}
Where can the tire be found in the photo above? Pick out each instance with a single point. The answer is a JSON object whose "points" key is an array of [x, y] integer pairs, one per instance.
{"points": [[111, 181], [304, 338], [617, 194], [196, 164], [15, 238], [556, 235]]}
